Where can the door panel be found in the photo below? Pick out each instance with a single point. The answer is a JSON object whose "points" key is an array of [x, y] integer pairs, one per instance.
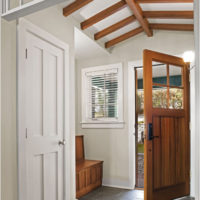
{"points": [[34, 97], [166, 110], [168, 152], [51, 181], [44, 113], [36, 177]]}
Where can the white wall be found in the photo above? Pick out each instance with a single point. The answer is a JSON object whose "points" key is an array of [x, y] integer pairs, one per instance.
{"points": [[51, 20], [112, 145], [8, 116]]}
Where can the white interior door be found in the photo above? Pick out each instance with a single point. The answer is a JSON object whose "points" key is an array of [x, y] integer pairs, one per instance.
{"points": [[42, 136]]}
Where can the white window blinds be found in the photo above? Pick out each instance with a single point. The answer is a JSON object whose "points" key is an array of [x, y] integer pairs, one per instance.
{"points": [[103, 94]]}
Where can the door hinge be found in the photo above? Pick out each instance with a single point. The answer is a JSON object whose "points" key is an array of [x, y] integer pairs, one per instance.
{"points": [[26, 53], [190, 126]]}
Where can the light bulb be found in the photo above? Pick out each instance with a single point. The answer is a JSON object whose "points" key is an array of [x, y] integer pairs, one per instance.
{"points": [[188, 56]]}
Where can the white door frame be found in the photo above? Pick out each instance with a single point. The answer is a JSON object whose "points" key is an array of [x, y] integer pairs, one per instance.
{"points": [[131, 119], [25, 26], [196, 124], [0, 99], [131, 116]]}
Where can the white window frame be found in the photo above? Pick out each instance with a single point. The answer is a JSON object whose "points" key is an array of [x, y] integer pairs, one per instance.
{"points": [[103, 122]]}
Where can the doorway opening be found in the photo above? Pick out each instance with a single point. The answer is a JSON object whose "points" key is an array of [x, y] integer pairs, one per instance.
{"points": [[139, 127]]}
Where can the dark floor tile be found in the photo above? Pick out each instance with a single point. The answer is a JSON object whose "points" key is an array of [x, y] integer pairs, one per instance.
{"points": [[108, 193]]}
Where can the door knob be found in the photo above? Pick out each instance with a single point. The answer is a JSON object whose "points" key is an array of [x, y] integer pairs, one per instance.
{"points": [[62, 143]]}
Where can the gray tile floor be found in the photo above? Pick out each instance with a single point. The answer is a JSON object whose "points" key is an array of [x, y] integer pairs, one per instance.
{"points": [[108, 193]]}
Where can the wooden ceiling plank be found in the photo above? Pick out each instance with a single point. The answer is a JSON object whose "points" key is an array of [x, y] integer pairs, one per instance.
{"points": [[114, 27], [169, 14], [103, 14], [137, 11], [164, 1], [175, 27], [123, 37], [76, 5]]}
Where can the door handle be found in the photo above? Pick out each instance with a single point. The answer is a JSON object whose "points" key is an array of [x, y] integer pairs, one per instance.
{"points": [[150, 132], [63, 143]]}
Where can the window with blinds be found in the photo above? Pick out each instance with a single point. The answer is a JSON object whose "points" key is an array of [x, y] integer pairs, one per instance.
{"points": [[102, 96]]}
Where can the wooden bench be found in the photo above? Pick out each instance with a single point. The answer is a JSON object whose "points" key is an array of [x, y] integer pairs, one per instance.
{"points": [[89, 173]]}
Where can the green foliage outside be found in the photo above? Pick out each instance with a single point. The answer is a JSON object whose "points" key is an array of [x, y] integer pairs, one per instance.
{"points": [[140, 148]]}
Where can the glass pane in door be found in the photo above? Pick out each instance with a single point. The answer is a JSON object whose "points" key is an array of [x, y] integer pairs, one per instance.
{"points": [[159, 73], [175, 75], [160, 81], [159, 97], [176, 98], [167, 89]]}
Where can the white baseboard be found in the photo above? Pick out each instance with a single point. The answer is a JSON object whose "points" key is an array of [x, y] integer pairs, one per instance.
{"points": [[117, 184]]}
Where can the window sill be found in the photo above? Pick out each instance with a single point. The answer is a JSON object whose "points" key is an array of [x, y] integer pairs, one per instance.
{"points": [[106, 125]]}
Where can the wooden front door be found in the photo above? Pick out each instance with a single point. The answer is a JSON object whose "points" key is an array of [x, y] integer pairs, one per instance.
{"points": [[167, 141]]}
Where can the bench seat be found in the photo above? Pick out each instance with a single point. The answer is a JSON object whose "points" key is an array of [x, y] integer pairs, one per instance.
{"points": [[87, 164], [89, 173]]}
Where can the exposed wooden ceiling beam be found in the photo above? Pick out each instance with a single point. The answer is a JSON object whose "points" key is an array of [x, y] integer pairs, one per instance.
{"points": [[76, 5], [164, 1], [114, 27], [173, 27], [146, 14], [169, 14], [135, 7], [123, 37], [103, 14]]}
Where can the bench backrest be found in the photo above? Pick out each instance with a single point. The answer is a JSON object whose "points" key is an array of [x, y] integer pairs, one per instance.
{"points": [[80, 154]]}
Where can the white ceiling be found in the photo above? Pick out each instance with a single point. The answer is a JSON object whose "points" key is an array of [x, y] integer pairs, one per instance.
{"points": [[98, 5], [86, 48], [82, 42]]}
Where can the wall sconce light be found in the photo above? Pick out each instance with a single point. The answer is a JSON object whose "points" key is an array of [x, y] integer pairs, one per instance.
{"points": [[189, 57]]}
